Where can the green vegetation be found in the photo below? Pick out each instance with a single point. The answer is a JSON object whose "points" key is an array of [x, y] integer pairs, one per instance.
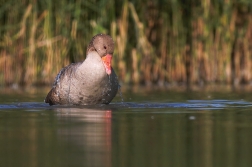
{"points": [[166, 41]]}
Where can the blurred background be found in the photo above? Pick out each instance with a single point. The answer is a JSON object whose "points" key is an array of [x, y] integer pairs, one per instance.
{"points": [[157, 42]]}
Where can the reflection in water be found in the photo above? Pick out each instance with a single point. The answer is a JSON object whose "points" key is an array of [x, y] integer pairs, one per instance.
{"points": [[92, 133], [60, 137], [149, 129], [126, 137], [211, 138]]}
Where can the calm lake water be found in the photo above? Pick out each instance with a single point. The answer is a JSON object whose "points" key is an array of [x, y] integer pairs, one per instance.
{"points": [[153, 127]]}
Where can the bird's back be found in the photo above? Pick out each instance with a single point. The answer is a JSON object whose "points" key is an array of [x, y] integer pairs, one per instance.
{"points": [[61, 85], [72, 86]]}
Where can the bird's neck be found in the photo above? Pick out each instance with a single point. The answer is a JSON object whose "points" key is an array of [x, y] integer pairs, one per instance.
{"points": [[92, 66]]}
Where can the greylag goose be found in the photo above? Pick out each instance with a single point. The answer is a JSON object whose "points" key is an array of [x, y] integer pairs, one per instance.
{"points": [[92, 81]]}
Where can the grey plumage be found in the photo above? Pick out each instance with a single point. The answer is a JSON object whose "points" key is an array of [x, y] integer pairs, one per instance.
{"points": [[86, 83]]}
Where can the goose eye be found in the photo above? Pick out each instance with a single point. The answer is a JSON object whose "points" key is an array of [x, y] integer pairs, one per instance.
{"points": [[104, 47]]}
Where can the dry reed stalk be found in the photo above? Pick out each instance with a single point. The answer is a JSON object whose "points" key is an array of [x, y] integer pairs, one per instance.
{"points": [[49, 62], [113, 29], [74, 29], [215, 54], [6, 63], [23, 22], [179, 70], [169, 65], [31, 63], [205, 41], [135, 72], [47, 42], [19, 38], [162, 62], [54, 48], [245, 63], [144, 47], [248, 48], [121, 40], [237, 51]]}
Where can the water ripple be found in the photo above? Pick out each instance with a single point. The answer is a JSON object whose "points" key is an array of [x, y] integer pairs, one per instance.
{"points": [[191, 104]]}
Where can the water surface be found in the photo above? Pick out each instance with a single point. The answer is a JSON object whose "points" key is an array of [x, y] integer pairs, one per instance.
{"points": [[152, 127]]}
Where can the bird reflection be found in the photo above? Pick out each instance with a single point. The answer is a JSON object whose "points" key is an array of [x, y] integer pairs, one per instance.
{"points": [[90, 131]]}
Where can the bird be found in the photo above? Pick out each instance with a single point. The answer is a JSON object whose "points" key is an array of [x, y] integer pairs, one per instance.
{"points": [[90, 82]]}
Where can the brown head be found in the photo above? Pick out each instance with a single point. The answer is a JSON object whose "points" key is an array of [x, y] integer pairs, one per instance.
{"points": [[104, 45]]}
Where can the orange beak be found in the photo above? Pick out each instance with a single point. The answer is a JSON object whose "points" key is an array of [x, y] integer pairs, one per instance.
{"points": [[107, 63]]}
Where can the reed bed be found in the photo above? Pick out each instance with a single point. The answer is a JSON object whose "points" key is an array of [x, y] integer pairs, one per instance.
{"points": [[157, 42]]}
